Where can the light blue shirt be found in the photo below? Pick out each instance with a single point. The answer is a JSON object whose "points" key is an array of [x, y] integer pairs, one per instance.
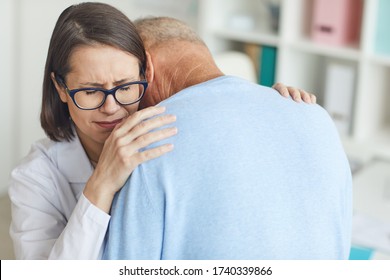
{"points": [[252, 176]]}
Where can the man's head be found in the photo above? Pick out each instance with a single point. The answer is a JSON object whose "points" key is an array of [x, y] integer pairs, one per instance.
{"points": [[178, 58], [156, 31]]}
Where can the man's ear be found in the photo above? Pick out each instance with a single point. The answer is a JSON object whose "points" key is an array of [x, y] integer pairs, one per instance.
{"points": [[60, 89], [149, 68]]}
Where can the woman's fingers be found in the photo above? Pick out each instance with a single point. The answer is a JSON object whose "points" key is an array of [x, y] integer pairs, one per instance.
{"points": [[127, 152], [138, 117], [142, 129], [305, 96], [152, 137], [149, 154], [141, 135], [148, 125], [308, 97], [282, 89], [296, 94], [288, 91], [313, 98]]}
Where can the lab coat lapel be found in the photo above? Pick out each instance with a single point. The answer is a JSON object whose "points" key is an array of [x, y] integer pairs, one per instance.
{"points": [[73, 161]]}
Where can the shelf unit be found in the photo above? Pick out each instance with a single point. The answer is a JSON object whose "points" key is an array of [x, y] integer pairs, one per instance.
{"points": [[302, 62]]}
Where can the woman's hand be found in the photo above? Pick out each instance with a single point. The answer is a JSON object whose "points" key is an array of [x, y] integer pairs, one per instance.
{"points": [[296, 94], [120, 155]]}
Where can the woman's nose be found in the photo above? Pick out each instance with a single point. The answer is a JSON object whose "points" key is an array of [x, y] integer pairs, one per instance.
{"points": [[110, 105]]}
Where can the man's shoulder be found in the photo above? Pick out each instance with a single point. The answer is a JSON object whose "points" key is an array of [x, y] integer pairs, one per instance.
{"points": [[230, 97], [223, 88]]}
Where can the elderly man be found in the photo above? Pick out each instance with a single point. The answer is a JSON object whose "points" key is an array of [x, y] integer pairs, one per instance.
{"points": [[252, 175]]}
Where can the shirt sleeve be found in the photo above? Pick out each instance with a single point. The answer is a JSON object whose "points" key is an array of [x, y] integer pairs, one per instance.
{"points": [[83, 236], [47, 226]]}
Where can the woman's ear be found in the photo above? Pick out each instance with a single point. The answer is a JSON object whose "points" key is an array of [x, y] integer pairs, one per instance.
{"points": [[149, 68], [60, 89]]}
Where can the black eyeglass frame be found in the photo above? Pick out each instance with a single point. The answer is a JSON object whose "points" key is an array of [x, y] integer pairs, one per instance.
{"points": [[106, 92]]}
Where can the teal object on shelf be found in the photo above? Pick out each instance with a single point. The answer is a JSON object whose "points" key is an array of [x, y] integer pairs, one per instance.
{"points": [[382, 41], [267, 66], [360, 253]]}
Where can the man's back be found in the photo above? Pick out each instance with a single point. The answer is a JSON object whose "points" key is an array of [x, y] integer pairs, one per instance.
{"points": [[252, 176]]}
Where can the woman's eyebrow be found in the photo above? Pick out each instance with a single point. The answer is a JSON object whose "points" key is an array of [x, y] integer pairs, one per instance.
{"points": [[99, 85], [126, 80], [88, 84]]}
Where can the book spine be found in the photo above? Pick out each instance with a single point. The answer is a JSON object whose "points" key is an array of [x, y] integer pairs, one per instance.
{"points": [[267, 66]]}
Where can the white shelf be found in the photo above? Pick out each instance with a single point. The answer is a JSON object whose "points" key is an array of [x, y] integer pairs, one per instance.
{"points": [[380, 143], [381, 60], [264, 38], [348, 52]]}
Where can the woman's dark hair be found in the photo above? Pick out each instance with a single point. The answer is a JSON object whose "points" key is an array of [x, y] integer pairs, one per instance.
{"points": [[82, 24]]}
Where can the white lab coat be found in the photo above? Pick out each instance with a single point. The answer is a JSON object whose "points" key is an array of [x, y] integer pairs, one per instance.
{"points": [[51, 218]]}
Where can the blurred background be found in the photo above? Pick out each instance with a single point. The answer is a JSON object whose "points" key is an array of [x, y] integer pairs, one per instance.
{"points": [[337, 49]]}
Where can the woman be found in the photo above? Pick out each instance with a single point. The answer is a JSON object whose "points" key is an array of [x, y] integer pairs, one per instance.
{"points": [[94, 78]]}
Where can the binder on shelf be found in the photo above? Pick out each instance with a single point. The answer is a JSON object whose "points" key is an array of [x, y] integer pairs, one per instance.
{"points": [[382, 42], [267, 66], [254, 52], [339, 95], [336, 22]]}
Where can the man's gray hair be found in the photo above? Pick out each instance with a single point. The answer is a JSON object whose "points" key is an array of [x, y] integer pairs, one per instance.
{"points": [[158, 30]]}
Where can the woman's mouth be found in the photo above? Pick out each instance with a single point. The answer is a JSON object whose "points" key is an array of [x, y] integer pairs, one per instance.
{"points": [[110, 124]]}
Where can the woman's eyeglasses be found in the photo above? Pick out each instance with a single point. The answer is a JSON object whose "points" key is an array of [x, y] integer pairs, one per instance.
{"points": [[94, 98]]}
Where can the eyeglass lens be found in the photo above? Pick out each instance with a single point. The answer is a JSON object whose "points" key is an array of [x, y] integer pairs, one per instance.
{"points": [[126, 94]]}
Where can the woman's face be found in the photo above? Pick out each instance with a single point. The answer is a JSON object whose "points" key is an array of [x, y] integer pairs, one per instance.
{"points": [[105, 67]]}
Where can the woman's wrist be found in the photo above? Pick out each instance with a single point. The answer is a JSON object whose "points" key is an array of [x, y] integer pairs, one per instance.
{"points": [[98, 196]]}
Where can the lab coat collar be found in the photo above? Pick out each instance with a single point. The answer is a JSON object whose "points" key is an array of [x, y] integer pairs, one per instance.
{"points": [[73, 161]]}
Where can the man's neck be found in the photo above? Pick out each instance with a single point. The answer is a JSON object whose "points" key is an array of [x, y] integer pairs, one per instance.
{"points": [[193, 65], [200, 73]]}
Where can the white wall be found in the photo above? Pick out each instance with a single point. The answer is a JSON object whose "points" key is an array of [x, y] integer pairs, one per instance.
{"points": [[7, 88]]}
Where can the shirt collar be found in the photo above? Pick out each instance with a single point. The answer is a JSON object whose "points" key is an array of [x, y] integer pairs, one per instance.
{"points": [[73, 161]]}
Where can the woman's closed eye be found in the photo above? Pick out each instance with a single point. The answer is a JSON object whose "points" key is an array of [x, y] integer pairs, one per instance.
{"points": [[126, 88], [90, 91]]}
